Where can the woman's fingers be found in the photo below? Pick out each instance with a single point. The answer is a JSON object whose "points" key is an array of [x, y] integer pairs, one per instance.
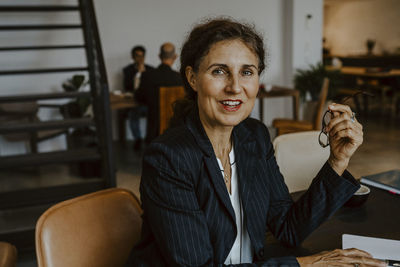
{"points": [[340, 108], [355, 252], [355, 256], [340, 117], [346, 128], [341, 257]]}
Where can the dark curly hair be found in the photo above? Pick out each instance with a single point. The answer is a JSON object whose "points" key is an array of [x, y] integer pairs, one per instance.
{"points": [[197, 45], [138, 48]]}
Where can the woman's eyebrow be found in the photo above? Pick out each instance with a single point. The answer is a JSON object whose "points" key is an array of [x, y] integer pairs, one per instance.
{"points": [[250, 66], [217, 65], [226, 66]]}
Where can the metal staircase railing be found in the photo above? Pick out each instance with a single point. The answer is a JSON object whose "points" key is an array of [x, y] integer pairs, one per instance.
{"points": [[101, 121]]}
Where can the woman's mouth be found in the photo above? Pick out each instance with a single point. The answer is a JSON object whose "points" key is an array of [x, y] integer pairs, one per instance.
{"points": [[231, 105]]}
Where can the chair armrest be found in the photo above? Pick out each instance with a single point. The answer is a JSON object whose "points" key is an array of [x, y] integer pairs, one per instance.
{"points": [[288, 123], [8, 255]]}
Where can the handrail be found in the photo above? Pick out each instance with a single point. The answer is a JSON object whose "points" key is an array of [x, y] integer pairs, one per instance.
{"points": [[42, 8], [42, 47]]}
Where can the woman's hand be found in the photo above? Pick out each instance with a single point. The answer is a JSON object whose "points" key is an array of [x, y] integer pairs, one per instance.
{"points": [[345, 136], [351, 257]]}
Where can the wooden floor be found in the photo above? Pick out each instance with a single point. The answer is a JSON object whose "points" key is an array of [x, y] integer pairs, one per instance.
{"points": [[379, 152]]}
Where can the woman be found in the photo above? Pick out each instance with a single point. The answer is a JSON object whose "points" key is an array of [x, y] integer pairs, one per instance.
{"points": [[211, 187]]}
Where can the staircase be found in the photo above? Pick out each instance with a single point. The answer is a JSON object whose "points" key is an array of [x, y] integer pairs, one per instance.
{"points": [[20, 208]]}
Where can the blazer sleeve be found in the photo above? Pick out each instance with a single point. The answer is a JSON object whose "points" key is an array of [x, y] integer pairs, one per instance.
{"points": [[172, 212], [291, 222]]}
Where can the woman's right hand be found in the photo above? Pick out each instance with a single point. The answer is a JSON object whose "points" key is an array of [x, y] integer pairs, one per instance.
{"points": [[351, 257]]}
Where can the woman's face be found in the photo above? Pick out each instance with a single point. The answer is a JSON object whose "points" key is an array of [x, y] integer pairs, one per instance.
{"points": [[226, 83]]}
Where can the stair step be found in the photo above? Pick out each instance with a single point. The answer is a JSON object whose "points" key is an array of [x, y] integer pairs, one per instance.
{"points": [[42, 8], [35, 97], [38, 71], [43, 47], [20, 219], [73, 155], [29, 197], [39, 27], [20, 210], [8, 128]]}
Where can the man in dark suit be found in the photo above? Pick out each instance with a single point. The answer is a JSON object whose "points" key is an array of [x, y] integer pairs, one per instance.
{"points": [[132, 78], [148, 92]]}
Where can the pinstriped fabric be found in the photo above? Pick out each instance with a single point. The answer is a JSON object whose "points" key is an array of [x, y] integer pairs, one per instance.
{"points": [[188, 219]]}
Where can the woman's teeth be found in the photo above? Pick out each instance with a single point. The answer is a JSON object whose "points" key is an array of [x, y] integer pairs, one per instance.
{"points": [[231, 103]]}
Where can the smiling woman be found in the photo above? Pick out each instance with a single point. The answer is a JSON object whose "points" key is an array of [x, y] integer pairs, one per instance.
{"points": [[210, 185], [226, 86]]}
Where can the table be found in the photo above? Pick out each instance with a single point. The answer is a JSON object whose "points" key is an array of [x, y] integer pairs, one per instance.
{"points": [[363, 72], [379, 78], [121, 103], [278, 91], [378, 217]]}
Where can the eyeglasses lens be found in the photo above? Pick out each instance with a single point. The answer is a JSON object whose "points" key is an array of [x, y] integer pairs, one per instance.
{"points": [[323, 139]]}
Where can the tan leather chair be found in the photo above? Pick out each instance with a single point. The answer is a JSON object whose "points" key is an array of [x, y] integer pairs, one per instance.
{"points": [[93, 230], [168, 95], [8, 255], [284, 126]]}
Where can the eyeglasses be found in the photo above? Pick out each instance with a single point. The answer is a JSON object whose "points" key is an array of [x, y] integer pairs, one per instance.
{"points": [[323, 137]]}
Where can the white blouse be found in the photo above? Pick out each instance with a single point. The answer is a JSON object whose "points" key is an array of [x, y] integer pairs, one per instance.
{"points": [[242, 250]]}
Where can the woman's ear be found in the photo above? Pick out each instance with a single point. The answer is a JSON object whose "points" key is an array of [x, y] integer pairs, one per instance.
{"points": [[191, 77]]}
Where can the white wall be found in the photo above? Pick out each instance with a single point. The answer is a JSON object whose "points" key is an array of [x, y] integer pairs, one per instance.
{"points": [[348, 24], [307, 33], [125, 23], [153, 22]]}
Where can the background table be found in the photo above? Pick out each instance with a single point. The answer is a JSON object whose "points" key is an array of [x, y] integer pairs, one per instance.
{"points": [[278, 91], [121, 103], [378, 217], [363, 72]]}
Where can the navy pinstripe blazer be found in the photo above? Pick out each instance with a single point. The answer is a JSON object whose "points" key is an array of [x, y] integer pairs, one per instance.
{"points": [[188, 218]]}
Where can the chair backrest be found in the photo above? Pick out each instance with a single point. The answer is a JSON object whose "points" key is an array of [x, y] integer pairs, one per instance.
{"points": [[321, 104], [168, 95], [299, 157], [8, 255], [93, 230]]}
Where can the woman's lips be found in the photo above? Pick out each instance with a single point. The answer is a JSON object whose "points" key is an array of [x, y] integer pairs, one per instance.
{"points": [[231, 105]]}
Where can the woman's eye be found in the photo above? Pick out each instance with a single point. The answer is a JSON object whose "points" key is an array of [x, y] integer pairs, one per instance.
{"points": [[247, 72], [218, 72]]}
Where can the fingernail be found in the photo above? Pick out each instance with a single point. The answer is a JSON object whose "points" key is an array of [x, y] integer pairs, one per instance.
{"points": [[331, 106]]}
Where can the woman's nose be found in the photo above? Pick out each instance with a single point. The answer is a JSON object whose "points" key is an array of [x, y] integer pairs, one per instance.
{"points": [[233, 85]]}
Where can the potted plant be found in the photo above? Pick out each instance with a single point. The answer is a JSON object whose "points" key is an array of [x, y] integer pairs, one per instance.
{"points": [[309, 81], [370, 43], [78, 107], [80, 137]]}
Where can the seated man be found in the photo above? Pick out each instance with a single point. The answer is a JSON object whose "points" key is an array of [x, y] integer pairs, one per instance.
{"points": [[132, 77], [148, 92]]}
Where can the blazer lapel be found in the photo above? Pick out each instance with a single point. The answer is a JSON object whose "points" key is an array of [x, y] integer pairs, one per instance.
{"points": [[248, 156], [194, 125]]}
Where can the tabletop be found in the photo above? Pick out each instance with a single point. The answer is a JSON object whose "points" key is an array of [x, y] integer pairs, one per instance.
{"points": [[367, 72], [279, 91], [121, 101]]}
